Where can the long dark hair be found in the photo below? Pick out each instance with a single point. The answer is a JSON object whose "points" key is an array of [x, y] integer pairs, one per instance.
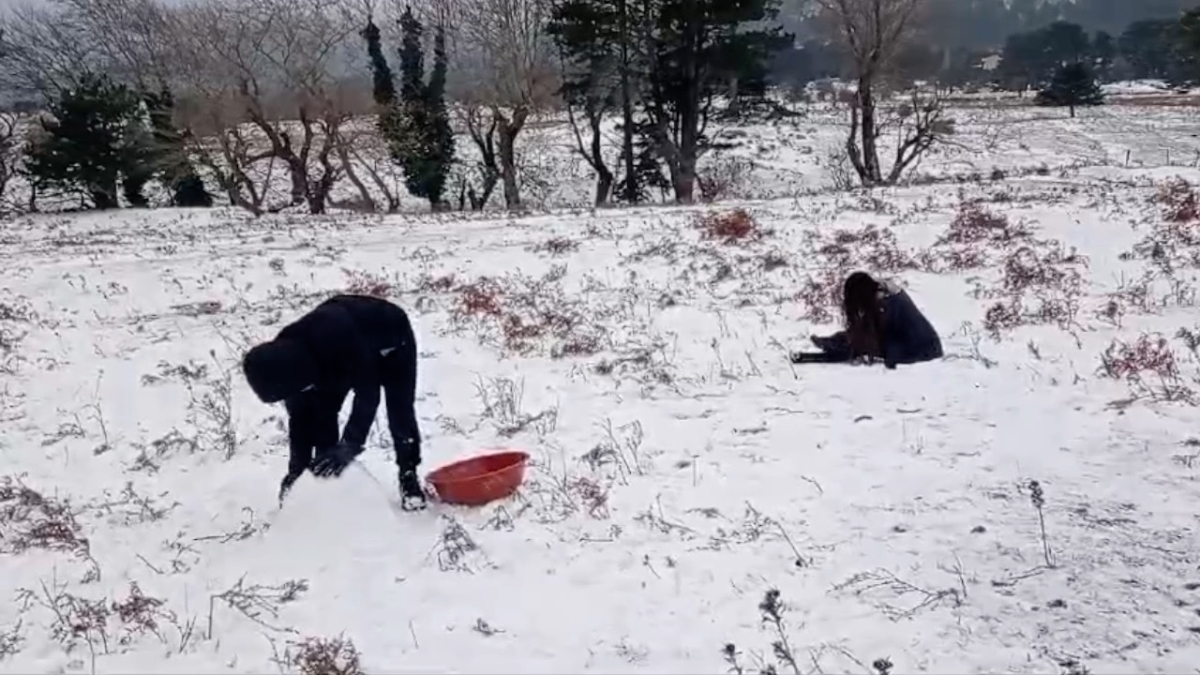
{"points": [[861, 311]]}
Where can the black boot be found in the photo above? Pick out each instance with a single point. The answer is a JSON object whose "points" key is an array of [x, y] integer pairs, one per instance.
{"points": [[412, 497]]}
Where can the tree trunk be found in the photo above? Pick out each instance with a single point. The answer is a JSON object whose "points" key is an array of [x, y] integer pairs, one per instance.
{"points": [[352, 175], [489, 169], [604, 175], [319, 189], [687, 150], [869, 131], [508, 168], [316, 203], [632, 189], [104, 196], [103, 201], [298, 172], [282, 148], [683, 180], [604, 183], [508, 130]]}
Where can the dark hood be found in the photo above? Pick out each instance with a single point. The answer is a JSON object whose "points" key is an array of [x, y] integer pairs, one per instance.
{"points": [[279, 369]]}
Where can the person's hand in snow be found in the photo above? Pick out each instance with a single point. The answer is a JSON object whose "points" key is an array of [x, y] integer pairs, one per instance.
{"points": [[332, 462]]}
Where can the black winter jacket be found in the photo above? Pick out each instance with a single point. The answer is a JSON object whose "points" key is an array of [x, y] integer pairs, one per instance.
{"points": [[329, 352]]}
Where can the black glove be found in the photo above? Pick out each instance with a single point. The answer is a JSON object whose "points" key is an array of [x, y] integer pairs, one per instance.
{"points": [[332, 462], [285, 486]]}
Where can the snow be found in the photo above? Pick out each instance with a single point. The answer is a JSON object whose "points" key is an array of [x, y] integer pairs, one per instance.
{"points": [[679, 473], [1136, 87]]}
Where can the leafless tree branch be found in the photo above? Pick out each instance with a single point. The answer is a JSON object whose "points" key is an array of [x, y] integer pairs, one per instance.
{"points": [[873, 33]]}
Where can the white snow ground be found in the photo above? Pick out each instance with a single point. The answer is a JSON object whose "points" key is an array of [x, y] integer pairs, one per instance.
{"points": [[680, 472]]}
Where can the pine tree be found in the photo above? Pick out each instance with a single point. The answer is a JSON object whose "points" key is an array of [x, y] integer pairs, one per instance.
{"points": [[1104, 50], [594, 42], [696, 48], [170, 157], [91, 143], [138, 162], [1184, 52], [1073, 85], [670, 59]]}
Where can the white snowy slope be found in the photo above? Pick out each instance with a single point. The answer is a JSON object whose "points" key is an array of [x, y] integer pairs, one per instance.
{"points": [[681, 467]]}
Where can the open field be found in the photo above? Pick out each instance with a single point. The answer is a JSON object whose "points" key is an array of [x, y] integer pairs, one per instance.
{"points": [[683, 472]]}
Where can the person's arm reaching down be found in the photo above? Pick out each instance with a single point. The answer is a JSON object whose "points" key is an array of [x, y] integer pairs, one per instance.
{"points": [[362, 413]]}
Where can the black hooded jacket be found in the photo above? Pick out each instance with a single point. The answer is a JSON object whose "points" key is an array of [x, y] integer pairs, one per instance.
{"points": [[329, 352]]}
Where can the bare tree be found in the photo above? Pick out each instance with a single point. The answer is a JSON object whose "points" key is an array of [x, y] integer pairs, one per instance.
{"points": [[8, 139], [508, 58], [594, 87], [136, 45], [9, 152], [275, 64], [211, 114], [346, 142], [46, 50], [873, 33], [481, 126], [50, 46]]}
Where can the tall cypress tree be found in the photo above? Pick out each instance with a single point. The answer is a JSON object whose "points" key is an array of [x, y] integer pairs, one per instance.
{"points": [[415, 124], [412, 58], [441, 135], [384, 89]]}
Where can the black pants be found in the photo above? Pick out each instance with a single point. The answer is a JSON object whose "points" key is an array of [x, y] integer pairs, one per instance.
{"points": [[834, 349], [313, 418], [399, 380]]}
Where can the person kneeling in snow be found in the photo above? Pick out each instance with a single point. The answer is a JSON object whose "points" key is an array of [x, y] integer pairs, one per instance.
{"points": [[881, 321], [347, 343]]}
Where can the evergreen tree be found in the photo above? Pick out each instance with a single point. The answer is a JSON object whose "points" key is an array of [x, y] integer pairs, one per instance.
{"points": [[647, 166], [1184, 70], [696, 48], [441, 134], [384, 89], [1104, 51], [412, 58], [1148, 47], [139, 161], [416, 125], [1031, 59], [1189, 30], [91, 144], [1073, 85], [1020, 65], [175, 168], [602, 71]]}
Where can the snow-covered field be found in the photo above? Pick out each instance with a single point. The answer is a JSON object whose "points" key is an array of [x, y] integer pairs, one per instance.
{"points": [[683, 470]]}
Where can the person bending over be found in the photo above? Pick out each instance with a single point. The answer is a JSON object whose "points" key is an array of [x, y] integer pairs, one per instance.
{"points": [[347, 343], [881, 322]]}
